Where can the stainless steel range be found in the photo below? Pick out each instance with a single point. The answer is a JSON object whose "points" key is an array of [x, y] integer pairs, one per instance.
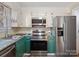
{"points": [[38, 41]]}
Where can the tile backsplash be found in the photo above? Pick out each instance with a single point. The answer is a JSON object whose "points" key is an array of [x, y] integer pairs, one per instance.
{"points": [[21, 30], [2, 35]]}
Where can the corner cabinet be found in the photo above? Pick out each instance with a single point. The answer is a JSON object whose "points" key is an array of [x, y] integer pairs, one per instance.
{"points": [[22, 46]]}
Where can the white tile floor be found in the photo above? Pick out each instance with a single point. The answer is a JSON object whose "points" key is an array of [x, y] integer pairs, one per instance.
{"points": [[39, 54], [45, 54]]}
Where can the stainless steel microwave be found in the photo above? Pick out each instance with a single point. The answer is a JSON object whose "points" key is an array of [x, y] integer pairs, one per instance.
{"points": [[42, 21]]}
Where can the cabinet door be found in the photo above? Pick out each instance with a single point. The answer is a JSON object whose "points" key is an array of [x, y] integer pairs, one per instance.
{"points": [[2, 17], [8, 17], [48, 20], [24, 44], [27, 46], [18, 49], [14, 22], [51, 45], [26, 19]]}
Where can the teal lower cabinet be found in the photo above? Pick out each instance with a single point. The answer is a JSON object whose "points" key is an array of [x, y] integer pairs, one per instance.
{"points": [[19, 48], [24, 43], [28, 38], [22, 46], [51, 45], [27, 46]]}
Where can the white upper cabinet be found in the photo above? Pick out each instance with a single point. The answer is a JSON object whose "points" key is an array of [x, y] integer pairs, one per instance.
{"points": [[8, 17], [38, 14], [17, 20], [14, 18], [45, 12], [15, 14], [5, 17], [49, 20], [26, 18], [28, 13]]}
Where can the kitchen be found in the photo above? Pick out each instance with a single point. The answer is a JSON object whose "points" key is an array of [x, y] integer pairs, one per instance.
{"points": [[39, 29]]}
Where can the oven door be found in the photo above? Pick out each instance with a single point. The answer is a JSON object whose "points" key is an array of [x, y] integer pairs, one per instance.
{"points": [[38, 45]]}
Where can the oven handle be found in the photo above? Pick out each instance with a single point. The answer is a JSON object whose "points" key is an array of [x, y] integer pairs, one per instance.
{"points": [[8, 51]]}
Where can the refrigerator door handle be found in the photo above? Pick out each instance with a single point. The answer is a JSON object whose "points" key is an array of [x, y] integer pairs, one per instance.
{"points": [[63, 32]]}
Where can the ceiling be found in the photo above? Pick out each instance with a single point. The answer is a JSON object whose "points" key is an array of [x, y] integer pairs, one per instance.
{"points": [[48, 4]]}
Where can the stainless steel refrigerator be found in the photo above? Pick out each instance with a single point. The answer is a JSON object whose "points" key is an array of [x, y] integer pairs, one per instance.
{"points": [[66, 35]]}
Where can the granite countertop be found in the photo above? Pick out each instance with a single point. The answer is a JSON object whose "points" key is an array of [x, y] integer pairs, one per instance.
{"points": [[6, 42]]}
